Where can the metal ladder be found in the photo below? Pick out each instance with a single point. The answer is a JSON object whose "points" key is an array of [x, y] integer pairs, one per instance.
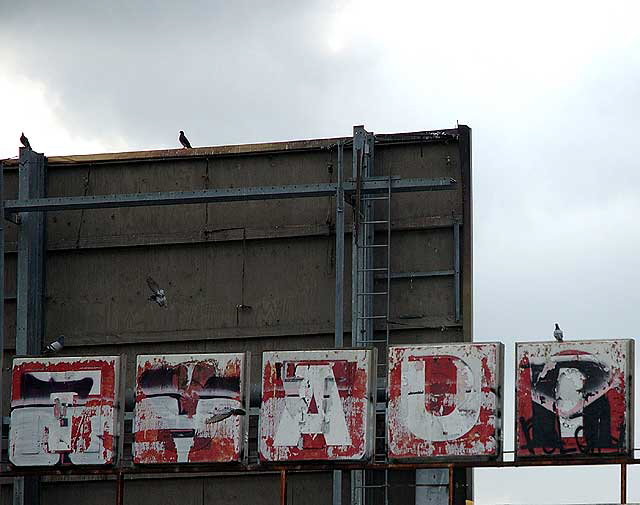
{"points": [[371, 290]]}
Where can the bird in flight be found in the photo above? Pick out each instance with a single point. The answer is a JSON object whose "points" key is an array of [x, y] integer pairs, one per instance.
{"points": [[184, 140], [25, 141], [157, 293], [224, 415], [557, 333], [55, 346]]}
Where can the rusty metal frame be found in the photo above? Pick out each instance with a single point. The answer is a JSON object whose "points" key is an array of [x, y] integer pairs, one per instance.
{"points": [[284, 470], [210, 468]]}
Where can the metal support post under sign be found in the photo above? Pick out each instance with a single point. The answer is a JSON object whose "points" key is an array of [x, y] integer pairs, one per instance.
{"points": [[339, 312], [2, 392], [357, 284], [30, 286]]}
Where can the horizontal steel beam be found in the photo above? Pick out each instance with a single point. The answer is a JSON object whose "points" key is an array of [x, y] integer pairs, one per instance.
{"points": [[128, 468], [223, 195], [417, 275]]}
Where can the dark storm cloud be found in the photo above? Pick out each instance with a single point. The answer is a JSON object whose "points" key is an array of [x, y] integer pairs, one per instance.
{"points": [[224, 71]]}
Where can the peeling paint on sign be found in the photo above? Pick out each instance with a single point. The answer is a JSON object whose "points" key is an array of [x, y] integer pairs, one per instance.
{"points": [[444, 401], [64, 411], [189, 408], [316, 405], [573, 398]]}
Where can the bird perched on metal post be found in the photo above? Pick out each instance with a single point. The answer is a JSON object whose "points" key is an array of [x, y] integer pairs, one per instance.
{"points": [[557, 333], [158, 295], [55, 346], [25, 141], [184, 140]]}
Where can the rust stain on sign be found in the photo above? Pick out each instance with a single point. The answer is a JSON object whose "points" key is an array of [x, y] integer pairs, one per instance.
{"points": [[444, 401], [573, 398], [190, 408], [64, 411], [316, 405]]}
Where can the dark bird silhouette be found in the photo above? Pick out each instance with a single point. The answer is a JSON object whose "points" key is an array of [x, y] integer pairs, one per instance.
{"points": [[557, 333], [55, 346], [184, 140], [224, 415], [158, 294], [25, 141]]}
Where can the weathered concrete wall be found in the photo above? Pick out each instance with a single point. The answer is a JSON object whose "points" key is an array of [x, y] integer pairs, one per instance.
{"points": [[277, 257]]}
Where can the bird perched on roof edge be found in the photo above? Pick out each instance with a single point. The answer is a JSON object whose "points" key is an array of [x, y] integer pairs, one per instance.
{"points": [[184, 140], [25, 141], [158, 295], [55, 346], [557, 333]]}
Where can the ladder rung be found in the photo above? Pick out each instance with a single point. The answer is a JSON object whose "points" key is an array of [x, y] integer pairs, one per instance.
{"points": [[372, 245], [369, 341], [374, 198], [373, 222], [372, 317], [372, 293], [380, 269]]}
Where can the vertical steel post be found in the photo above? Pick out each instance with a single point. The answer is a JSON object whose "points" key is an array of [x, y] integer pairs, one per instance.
{"points": [[623, 483], [451, 486], [339, 337], [456, 267], [357, 284], [30, 286], [2, 391], [283, 487], [356, 258], [120, 489], [339, 312]]}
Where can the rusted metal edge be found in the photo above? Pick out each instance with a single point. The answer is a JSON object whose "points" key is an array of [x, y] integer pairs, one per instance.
{"points": [[8, 471], [445, 135]]}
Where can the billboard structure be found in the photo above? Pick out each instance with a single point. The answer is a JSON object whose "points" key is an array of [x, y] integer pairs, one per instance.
{"points": [[240, 216], [574, 398], [190, 408], [445, 401], [64, 411], [317, 405]]}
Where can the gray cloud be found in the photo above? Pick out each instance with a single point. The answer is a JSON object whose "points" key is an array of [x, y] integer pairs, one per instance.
{"points": [[550, 91]]}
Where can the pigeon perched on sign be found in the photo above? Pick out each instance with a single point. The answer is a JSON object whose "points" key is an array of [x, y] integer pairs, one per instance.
{"points": [[157, 293], [557, 333], [224, 415], [55, 346], [184, 140], [25, 141]]}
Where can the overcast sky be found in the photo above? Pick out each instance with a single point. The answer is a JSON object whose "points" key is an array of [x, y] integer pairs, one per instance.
{"points": [[550, 88]]}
